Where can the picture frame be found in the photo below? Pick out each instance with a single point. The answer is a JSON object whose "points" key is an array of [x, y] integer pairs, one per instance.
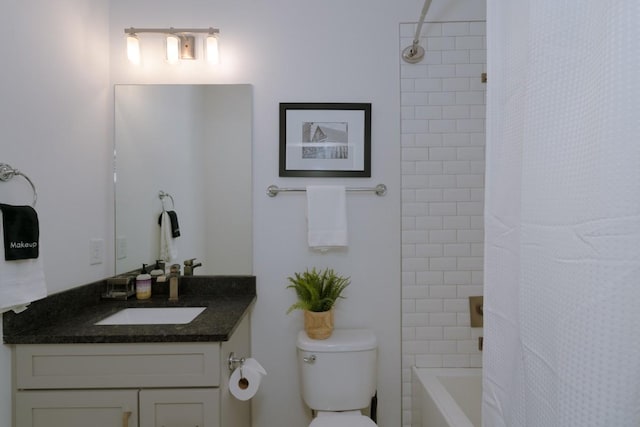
{"points": [[325, 140]]}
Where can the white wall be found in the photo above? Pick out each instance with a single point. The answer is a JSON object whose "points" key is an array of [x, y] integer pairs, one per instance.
{"points": [[55, 127], [54, 116], [57, 121]]}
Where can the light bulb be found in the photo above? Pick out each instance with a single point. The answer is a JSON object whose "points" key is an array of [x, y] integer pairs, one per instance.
{"points": [[213, 56], [133, 49], [173, 49]]}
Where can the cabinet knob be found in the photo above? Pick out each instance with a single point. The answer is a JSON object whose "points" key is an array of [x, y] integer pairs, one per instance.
{"points": [[125, 418]]}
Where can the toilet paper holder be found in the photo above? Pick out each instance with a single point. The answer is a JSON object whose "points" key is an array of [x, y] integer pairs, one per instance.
{"points": [[235, 362]]}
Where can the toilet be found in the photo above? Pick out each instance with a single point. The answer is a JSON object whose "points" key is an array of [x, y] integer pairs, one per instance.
{"points": [[338, 376]]}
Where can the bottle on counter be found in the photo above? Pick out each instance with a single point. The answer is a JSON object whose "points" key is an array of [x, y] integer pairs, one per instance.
{"points": [[157, 274], [143, 284]]}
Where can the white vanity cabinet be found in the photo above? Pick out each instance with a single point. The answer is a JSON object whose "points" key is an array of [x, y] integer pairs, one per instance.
{"points": [[129, 384]]}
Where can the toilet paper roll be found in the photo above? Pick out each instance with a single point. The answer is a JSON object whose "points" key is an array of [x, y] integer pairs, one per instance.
{"points": [[245, 380], [252, 363]]}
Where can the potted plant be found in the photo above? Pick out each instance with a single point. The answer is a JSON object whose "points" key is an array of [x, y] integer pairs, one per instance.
{"points": [[317, 293]]}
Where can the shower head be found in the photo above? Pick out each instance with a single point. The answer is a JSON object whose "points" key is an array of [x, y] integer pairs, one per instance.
{"points": [[414, 53]]}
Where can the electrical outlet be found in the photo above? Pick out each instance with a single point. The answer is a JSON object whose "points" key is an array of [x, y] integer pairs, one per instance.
{"points": [[96, 251], [121, 247]]}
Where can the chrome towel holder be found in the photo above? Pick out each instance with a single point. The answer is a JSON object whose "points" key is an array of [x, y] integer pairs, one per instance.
{"points": [[7, 172], [380, 189], [162, 195]]}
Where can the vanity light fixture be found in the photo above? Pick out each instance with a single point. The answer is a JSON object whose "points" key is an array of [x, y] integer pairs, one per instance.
{"points": [[180, 43]]}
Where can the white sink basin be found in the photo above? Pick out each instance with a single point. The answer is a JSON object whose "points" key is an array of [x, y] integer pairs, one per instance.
{"points": [[152, 316]]}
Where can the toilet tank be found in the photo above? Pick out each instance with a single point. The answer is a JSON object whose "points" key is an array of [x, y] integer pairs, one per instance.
{"points": [[339, 373]]}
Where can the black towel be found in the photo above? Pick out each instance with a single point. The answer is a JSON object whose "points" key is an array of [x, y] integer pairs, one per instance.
{"points": [[21, 232], [175, 228]]}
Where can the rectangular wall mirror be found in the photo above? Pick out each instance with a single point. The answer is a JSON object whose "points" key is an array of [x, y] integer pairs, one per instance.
{"points": [[193, 142]]}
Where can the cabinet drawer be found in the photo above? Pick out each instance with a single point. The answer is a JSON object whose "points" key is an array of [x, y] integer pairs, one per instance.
{"points": [[74, 408], [66, 366]]}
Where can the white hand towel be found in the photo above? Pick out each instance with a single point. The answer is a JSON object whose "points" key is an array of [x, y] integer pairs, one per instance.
{"points": [[21, 282], [326, 216], [168, 248]]}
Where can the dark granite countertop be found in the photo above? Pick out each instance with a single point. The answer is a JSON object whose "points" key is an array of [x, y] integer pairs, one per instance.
{"points": [[70, 316]]}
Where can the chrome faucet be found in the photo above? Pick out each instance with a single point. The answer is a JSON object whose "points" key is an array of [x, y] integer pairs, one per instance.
{"points": [[174, 275], [189, 266]]}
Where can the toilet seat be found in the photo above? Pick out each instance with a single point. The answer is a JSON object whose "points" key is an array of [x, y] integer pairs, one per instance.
{"points": [[343, 421]]}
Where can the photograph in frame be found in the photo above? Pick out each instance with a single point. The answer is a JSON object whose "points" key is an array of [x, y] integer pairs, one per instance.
{"points": [[325, 139]]}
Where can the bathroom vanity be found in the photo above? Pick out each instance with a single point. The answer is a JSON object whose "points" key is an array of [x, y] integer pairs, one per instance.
{"points": [[70, 372]]}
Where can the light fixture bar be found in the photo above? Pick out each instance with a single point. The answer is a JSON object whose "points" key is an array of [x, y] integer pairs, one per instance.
{"points": [[180, 43], [172, 30]]}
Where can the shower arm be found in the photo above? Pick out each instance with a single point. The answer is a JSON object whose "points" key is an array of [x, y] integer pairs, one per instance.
{"points": [[415, 52]]}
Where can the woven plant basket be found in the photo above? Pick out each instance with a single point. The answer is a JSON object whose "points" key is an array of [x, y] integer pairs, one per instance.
{"points": [[318, 325]]}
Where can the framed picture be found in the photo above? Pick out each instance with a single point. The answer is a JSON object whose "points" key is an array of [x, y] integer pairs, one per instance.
{"points": [[325, 139]]}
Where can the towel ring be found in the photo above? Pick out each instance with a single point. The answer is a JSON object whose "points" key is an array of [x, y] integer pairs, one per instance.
{"points": [[162, 195], [7, 172]]}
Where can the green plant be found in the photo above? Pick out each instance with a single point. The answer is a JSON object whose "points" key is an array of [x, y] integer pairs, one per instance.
{"points": [[317, 290]]}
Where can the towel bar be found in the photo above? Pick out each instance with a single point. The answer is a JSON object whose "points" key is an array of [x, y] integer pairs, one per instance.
{"points": [[380, 189], [7, 172]]}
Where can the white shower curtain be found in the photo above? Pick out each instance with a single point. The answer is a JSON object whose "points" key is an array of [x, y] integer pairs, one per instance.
{"points": [[562, 252]]}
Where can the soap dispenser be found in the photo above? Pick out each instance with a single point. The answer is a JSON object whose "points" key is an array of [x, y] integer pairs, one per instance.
{"points": [[157, 271], [143, 284]]}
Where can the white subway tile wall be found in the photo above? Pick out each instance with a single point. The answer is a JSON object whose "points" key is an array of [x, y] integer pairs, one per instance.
{"points": [[443, 148]]}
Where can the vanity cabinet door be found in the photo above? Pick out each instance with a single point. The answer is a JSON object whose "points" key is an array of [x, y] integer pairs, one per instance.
{"points": [[180, 407], [104, 408]]}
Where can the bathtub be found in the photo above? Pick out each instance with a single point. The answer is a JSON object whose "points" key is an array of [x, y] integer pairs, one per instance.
{"points": [[446, 397]]}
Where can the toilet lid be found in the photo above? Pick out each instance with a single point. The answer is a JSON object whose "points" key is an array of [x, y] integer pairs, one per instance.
{"points": [[343, 421]]}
